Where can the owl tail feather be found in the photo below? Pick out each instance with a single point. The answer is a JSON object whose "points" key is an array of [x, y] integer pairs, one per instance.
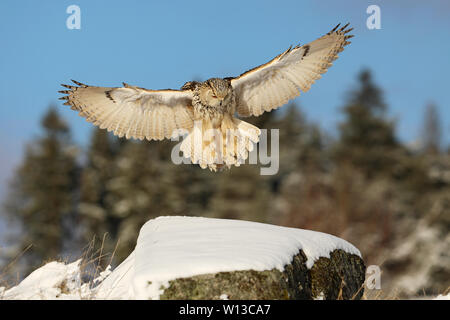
{"points": [[224, 145]]}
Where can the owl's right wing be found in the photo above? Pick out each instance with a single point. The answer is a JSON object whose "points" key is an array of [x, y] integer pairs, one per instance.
{"points": [[273, 84], [131, 111]]}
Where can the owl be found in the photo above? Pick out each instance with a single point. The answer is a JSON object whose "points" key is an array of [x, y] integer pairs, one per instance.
{"points": [[206, 113]]}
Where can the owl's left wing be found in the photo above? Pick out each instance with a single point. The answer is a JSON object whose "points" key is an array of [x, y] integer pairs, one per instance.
{"points": [[273, 84]]}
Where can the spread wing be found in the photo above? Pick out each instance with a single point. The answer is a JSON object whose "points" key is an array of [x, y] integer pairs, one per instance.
{"points": [[273, 84], [132, 111]]}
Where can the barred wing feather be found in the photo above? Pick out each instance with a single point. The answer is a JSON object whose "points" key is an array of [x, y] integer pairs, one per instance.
{"points": [[133, 112], [273, 84]]}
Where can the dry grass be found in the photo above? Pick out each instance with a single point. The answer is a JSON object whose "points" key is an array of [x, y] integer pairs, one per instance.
{"points": [[93, 261]]}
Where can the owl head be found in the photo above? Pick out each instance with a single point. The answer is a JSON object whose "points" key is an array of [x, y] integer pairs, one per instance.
{"points": [[214, 92]]}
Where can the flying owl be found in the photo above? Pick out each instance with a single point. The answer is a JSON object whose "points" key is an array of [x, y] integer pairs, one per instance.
{"points": [[206, 111]]}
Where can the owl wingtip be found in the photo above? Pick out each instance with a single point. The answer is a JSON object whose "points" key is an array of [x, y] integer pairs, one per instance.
{"points": [[79, 83], [335, 28], [342, 29]]}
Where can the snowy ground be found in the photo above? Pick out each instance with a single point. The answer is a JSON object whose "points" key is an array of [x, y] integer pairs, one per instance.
{"points": [[443, 297], [176, 247]]}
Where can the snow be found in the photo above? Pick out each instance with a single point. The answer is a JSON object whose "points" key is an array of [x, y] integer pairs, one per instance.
{"points": [[428, 243], [176, 247], [321, 296], [55, 280], [443, 297], [118, 284]]}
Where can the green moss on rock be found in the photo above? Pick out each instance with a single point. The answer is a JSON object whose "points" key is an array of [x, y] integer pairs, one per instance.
{"points": [[339, 277]]}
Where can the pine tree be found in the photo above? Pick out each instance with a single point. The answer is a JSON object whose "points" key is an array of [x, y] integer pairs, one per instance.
{"points": [[291, 126], [42, 198], [431, 130], [293, 130], [96, 203], [144, 186], [314, 156], [367, 139], [241, 192]]}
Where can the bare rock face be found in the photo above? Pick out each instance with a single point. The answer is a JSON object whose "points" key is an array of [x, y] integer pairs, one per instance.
{"points": [[339, 277]]}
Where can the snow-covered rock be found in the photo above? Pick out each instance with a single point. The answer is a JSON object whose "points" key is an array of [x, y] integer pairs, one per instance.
{"points": [[174, 248]]}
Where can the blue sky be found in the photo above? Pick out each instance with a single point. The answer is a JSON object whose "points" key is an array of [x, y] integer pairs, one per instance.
{"points": [[163, 44]]}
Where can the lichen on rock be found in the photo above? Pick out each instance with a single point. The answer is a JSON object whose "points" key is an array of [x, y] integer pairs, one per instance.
{"points": [[339, 277]]}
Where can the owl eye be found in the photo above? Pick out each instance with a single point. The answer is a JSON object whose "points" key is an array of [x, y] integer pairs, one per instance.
{"points": [[214, 96]]}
